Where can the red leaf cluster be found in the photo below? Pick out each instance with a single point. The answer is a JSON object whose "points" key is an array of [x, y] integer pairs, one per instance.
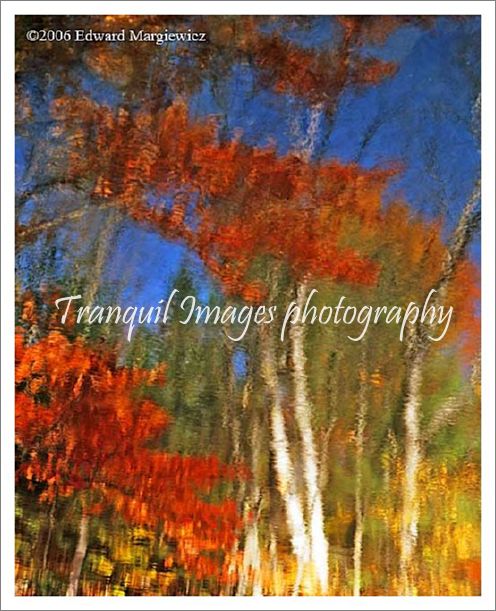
{"points": [[84, 427]]}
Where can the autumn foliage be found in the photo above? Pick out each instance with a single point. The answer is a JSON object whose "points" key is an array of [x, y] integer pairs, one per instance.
{"points": [[84, 428], [131, 458], [230, 202]]}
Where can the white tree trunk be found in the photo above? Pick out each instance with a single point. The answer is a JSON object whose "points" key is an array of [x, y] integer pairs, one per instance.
{"points": [[359, 439], [104, 240], [319, 549], [418, 346], [286, 481], [251, 575], [79, 555], [51, 526], [276, 589], [410, 511]]}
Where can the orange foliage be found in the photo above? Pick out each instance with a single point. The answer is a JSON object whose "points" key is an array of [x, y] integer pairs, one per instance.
{"points": [[82, 426], [320, 77], [464, 295], [231, 203]]}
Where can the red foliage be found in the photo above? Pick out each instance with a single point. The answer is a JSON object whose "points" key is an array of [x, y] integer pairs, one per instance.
{"points": [[232, 203], [83, 427]]}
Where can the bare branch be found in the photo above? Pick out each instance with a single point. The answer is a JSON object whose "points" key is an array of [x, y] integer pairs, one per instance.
{"points": [[27, 233]]}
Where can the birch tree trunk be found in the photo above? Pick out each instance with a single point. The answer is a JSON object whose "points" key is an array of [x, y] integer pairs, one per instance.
{"points": [[417, 349], [319, 549], [79, 555], [231, 423], [410, 510], [359, 439], [106, 233], [283, 462], [51, 525], [274, 564], [251, 576], [230, 417]]}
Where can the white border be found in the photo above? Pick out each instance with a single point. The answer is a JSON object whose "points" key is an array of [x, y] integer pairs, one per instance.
{"points": [[484, 8]]}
